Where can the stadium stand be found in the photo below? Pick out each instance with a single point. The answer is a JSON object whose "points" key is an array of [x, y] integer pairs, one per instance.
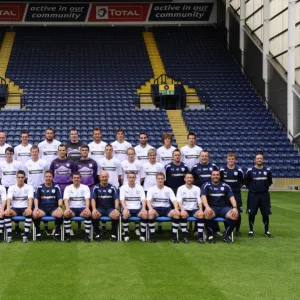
{"points": [[83, 77], [236, 119]]}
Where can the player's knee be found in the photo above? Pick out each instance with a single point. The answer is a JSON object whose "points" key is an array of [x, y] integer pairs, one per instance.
{"points": [[184, 216], [35, 216], [143, 215], [125, 216], [151, 216]]}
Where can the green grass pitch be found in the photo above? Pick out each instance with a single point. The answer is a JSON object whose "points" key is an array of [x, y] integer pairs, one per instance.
{"points": [[257, 268]]}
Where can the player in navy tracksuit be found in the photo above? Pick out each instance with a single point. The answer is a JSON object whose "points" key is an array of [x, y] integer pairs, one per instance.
{"points": [[258, 180], [214, 196], [234, 177]]}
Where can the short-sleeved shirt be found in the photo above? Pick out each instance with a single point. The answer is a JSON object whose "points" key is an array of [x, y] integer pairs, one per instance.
{"points": [[133, 197], [19, 196], [35, 171], [233, 177], [105, 196], [189, 198], [258, 180], [175, 175], [165, 155], [160, 197], [8, 172], [48, 151], [22, 153], [112, 167], [217, 194], [135, 167], [141, 153], [2, 151], [96, 150], [149, 172], [2, 194], [62, 170], [202, 173], [190, 155], [88, 170], [77, 195], [48, 196], [120, 150]]}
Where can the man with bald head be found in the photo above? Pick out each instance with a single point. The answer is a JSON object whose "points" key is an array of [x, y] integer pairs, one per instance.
{"points": [[3, 145], [105, 203]]}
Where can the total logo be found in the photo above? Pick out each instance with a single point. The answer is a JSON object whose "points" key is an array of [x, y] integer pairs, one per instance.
{"points": [[115, 12], [11, 12], [102, 12]]}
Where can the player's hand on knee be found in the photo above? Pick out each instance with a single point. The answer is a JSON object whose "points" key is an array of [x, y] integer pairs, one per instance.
{"points": [[68, 213], [27, 212], [209, 213], [96, 214], [199, 214], [234, 214], [8, 212], [86, 213], [115, 214], [183, 214]]}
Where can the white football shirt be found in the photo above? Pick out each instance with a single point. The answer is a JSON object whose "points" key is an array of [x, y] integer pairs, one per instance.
{"points": [[96, 151], [35, 171], [149, 172], [112, 167], [133, 197], [164, 155], [135, 167], [141, 153], [48, 151], [8, 172], [2, 151], [190, 155], [77, 196], [22, 153], [19, 196], [120, 150], [160, 197], [189, 198]]}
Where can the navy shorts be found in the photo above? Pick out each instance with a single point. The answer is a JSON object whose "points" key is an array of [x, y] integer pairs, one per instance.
{"points": [[134, 212], [259, 200], [239, 203], [48, 210], [19, 211], [220, 211], [77, 211], [162, 211], [105, 211]]}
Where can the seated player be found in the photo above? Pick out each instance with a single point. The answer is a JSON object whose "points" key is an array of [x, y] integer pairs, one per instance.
{"points": [[133, 201], [19, 203], [2, 209], [105, 202], [158, 202], [214, 196], [48, 202], [189, 202], [77, 203]]}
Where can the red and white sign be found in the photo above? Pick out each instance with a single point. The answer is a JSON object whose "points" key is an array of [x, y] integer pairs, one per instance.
{"points": [[127, 12], [12, 12]]}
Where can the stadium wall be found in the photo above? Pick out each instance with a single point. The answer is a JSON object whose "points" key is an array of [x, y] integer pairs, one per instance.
{"points": [[234, 37]]}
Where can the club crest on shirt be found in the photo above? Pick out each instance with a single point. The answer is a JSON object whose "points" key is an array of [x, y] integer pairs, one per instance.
{"points": [[222, 188], [265, 173], [53, 191], [109, 190], [182, 169], [68, 165], [235, 173], [210, 169], [90, 165]]}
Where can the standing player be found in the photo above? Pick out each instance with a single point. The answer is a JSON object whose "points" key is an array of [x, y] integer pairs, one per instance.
{"points": [[105, 202], [133, 201], [165, 152], [258, 180], [214, 196], [234, 177], [97, 146], [62, 169], [189, 202], [120, 146], [48, 202], [142, 149], [150, 170], [111, 165], [131, 165], [158, 202], [22, 151], [2, 210], [191, 152], [19, 203], [3, 145], [87, 168], [73, 146], [175, 171], [48, 148], [77, 203], [35, 168]]}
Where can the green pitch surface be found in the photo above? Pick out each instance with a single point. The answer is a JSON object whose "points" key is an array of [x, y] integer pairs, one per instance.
{"points": [[257, 268]]}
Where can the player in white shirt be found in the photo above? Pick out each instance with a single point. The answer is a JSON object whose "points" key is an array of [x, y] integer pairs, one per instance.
{"points": [[9, 168], [165, 152], [150, 170], [3, 145], [35, 168], [49, 147], [131, 165], [133, 201], [111, 165], [158, 202], [189, 202], [19, 203], [120, 146], [77, 202], [190, 153], [97, 146], [142, 149], [22, 151], [2, 210]]}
